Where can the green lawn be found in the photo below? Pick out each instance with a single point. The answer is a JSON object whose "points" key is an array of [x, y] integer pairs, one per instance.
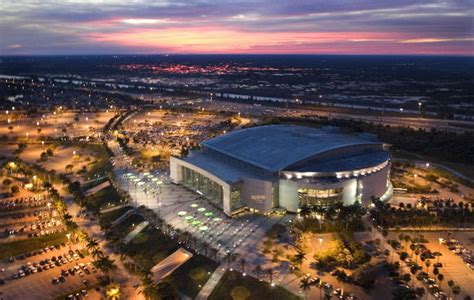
{"points": [[102, 198], [234, 286], [120, 230], [106, 219], [23, 246], [150, 247], [192, 275], [465, 169]]}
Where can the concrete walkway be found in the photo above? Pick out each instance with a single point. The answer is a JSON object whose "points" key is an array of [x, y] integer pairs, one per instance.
{"points": [[131, 235], [168, 265], [106, 210], [211, 283]]}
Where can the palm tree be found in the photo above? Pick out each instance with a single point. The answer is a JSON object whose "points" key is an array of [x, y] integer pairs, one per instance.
{"points": [[407, 240], [299, 257], [92, 244], [150, 288], [305, 286], [440, 278], [96, 253], [105, 264], [205, 247], [230, 258], [456, 290], [451, 285], [270, 274], [242, 263], [257, 270], [113, 291], [427, 264], [305, 211]]}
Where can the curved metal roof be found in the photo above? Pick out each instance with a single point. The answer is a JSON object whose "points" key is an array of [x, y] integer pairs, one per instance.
{"points": [[275, 147]]}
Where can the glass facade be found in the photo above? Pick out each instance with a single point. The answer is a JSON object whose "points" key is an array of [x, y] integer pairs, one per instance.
{"points": [[207, 187], [235, 200], [319, 197]]}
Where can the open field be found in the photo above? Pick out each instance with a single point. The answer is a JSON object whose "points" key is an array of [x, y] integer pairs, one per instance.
{"points": [[43, 126]]}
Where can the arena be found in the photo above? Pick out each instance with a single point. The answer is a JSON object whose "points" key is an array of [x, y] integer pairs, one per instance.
{"points": [[284, 166]]}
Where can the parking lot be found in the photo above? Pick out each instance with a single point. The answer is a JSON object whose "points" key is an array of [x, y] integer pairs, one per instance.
{"points": [[47, 275], [454, 268]]}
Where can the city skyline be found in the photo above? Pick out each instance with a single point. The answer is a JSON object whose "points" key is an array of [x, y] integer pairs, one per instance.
{"points": [[262, 27]]}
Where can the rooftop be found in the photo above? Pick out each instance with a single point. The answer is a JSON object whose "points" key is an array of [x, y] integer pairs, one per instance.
{"points": [[275, 147]]}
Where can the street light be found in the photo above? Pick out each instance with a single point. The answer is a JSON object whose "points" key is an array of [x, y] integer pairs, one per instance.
{"points": [[68, 235]]}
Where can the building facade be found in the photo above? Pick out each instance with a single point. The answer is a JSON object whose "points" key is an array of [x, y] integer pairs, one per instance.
{"points": [[285, 166]]}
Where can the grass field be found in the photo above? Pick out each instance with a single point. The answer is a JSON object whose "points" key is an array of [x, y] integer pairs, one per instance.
{"points": [[465, 169], [105, 219], [234, 286], [24, 246], [192, 275], [102, 198]]}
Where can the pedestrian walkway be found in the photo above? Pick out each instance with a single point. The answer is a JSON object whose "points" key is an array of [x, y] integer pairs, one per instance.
{"points": [[135, 231], [106, 210], [211, 283]]}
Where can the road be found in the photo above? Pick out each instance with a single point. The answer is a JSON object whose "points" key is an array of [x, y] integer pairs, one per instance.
{"points": [[402, 120]]}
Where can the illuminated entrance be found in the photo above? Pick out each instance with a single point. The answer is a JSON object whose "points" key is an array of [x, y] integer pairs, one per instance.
{"points": [[319, 197]]}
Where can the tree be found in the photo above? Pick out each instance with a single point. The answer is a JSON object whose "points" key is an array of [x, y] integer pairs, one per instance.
{"points": [[407, 240], [456, 290], [427, 264], [150, 288], [92, 244], [15, 189], [420, 292], [305, 211], [113, 291], [305, 286], [299, 257], [242, 263], [270, 272], [257, 270], [69, 168], [43, 156], [403, 256], [105, 264], [450, 283], [440, 278]]}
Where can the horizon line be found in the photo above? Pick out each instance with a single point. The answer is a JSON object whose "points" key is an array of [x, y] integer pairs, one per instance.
{"points": [[242, 54]]}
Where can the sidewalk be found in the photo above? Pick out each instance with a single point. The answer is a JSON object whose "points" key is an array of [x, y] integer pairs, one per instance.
{"points": [[211, 283]]}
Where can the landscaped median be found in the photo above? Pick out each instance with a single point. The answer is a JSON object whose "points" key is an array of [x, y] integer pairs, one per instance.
{"points": [[25, 246]]}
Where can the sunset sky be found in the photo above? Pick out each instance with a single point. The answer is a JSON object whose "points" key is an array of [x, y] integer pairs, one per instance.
{"points": [[241, 26]]}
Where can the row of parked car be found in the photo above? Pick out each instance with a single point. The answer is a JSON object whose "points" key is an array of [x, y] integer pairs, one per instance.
{"points": [[80, 269], [22, 200], [458, 248], [46, 264], [41, 213], [328, 288], [37, 252]]}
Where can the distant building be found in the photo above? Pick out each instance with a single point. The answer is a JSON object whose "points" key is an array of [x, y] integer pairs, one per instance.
{"points": [[285, 166]]}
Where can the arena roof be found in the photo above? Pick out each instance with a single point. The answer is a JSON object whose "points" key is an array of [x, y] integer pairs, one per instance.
{"points": [[274, 147]]}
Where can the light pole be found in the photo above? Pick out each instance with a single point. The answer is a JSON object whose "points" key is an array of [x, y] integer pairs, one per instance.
{"points": [[68, 235]]}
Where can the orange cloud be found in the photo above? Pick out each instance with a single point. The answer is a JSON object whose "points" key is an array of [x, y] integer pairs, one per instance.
{"points": [[227, 40]]}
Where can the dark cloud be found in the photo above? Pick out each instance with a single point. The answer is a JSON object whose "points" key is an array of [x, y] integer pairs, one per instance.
{"points": [[64, 26]]}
